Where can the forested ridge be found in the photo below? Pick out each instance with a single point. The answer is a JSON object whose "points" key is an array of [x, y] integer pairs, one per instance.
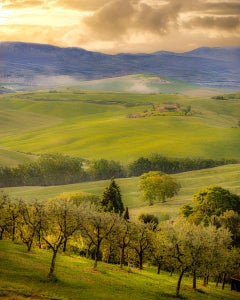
{"points": [[58, 169]]}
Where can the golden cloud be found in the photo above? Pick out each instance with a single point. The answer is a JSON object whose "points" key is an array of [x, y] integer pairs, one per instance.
{"points": [[222, 23], [34, 34], [117, 17], [15, 4], [118, 25], [83, 5]]}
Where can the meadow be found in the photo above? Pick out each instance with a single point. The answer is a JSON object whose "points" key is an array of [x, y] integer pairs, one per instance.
{"points": [[23, 276], [82, 123], [227, 177]]}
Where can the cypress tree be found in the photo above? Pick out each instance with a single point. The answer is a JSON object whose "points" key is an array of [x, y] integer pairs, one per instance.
{"points": [[111, 199]]}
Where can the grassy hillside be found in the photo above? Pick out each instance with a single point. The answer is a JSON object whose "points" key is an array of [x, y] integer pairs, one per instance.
{"points": [[226, 176], [23, 276], [95, 125], [13, 158], [145, 84]]}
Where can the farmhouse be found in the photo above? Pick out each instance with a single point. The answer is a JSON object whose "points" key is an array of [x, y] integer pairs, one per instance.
{"points": [[168, 107], [134, 116]]}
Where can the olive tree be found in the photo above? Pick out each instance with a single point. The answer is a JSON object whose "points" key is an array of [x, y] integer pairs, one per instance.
{"points": [[140, 241], [196, 249], [5, 214], [60, 221], [96, 226], [29, 222]]}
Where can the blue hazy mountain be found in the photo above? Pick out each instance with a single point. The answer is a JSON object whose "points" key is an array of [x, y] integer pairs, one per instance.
{"points": [[26, 62]]}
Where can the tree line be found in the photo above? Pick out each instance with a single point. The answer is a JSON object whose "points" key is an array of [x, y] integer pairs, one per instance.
{"points": [[58, 169], [198, 244]]}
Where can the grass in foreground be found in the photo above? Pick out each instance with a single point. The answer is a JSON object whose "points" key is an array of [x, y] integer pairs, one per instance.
{"points": [[23, 276]]}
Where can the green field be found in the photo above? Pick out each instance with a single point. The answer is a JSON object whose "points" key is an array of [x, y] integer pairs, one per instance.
{"points": [[12, 158], [146, 84], [94, 125], [23, 276], [226, 176]]}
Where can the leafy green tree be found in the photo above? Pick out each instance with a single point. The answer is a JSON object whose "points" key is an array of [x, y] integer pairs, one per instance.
{"points": [[211, 201], [140, 166], [149, 218], [105, 169], [157, 186], [231, 219], [61, 169], [111, 199]]}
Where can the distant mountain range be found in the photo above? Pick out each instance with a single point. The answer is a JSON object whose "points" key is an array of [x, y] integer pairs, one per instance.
{"points": [[29, 64]]}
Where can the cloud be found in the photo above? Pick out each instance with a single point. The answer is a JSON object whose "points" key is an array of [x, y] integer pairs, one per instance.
{"points": [[208, 6], [222, 23], [112, 20], [123, 25], [158, 19], [34, 34], [118, 17], [83, 5], [142, 88], [222, 8], [15, 4], [53, 81]]}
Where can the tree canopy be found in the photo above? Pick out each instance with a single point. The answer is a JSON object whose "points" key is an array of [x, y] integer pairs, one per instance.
{"points": [[211, 201], [157, 186]]}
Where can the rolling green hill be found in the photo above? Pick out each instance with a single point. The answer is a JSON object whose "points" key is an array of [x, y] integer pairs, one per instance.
{"points": [[226, 176], [145, 84], [94, 125], [23, 276], [13, 158]]}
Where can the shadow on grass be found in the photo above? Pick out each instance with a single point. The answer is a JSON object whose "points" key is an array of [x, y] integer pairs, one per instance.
{"points": [[200, 291], [163, 295]]}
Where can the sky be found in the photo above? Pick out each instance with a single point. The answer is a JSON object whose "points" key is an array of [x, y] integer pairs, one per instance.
{"points": [[116, 26]]}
